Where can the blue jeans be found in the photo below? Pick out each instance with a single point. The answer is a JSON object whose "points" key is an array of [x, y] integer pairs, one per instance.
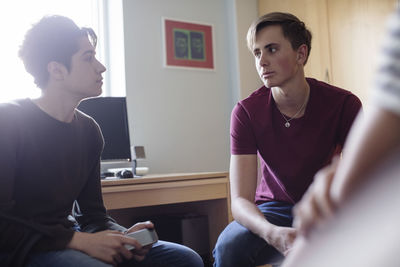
{"points": [[237, 246], [162, 254]]}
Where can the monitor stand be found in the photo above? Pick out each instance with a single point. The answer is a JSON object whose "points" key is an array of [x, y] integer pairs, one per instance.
{"points": [[106, 165]]}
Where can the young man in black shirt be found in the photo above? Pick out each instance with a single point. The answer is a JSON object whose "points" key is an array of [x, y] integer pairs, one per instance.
{"points": [[50, 164]]}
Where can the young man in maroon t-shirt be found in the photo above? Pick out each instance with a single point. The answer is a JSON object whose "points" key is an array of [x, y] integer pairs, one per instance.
{"points": [[295, 125]]}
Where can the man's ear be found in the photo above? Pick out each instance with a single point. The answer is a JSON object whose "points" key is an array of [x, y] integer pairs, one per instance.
{"points": [[56, 70], [302, 54]]}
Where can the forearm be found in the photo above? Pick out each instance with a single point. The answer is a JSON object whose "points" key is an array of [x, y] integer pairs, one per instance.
{"points": [[77, 240], [247, 214], [100, 223], [243, 176]]}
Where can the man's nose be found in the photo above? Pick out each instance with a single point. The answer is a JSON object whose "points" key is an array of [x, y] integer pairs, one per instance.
{"points": [[264, 61], [101, 68]]}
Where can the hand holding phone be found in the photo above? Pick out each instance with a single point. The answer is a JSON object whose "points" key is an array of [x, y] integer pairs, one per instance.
{"points": [[144, 237]]}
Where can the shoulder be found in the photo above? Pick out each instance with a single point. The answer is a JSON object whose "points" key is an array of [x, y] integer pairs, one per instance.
{"points": [[81, 116], [332, 94], [89, 129], [14, 111], [255, 100], [13, 106], [86, 121], [13, 118], [258, 95], [252, 104], [327, 89]]}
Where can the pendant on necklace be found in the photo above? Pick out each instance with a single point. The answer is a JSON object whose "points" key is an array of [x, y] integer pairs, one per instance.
{"points": [[287, 124]]}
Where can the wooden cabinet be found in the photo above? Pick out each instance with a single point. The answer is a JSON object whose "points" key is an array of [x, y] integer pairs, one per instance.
{"points": [[356, 29], [346, 37]]}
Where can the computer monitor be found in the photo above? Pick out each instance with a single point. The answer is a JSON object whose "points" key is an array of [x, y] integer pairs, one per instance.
{"points": [[111, 115]]}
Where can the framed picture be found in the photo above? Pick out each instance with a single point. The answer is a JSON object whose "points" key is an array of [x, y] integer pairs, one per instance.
{"points": [[187, 44]]}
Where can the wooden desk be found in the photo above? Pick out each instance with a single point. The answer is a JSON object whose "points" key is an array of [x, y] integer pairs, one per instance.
{"points": [[202, 193]]}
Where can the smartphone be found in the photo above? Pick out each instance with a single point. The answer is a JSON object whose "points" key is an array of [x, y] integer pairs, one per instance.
{"points": [[144, 237]]}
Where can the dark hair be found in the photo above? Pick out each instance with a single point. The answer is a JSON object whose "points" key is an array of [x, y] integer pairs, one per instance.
{"points": [[53, 38], [293, 29]]}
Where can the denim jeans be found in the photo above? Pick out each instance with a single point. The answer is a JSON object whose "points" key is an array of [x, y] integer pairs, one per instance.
{"points": [[238, 247], [162, 254]]}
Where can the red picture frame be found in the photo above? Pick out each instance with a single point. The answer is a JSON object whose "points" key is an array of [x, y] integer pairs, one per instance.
{"points": [[188, 44]]}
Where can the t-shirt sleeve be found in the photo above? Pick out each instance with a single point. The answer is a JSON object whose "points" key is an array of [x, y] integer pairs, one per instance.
{"points": [[243, 139], [386, 91], [351, 108]]}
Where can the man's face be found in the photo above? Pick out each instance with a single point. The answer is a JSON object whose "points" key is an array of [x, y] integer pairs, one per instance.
{"points": [[276, 61], [85, 76]]}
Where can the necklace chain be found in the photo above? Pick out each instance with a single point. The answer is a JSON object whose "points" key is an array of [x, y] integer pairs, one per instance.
{"points": [[287, 123]]}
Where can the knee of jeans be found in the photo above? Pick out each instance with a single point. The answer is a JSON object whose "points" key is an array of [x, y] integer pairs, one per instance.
{"points": [[235, 245], [225, 254], [226, 247], [193, 259]]}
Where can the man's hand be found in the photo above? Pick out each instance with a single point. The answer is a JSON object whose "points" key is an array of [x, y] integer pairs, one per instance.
{"points": [[140, 226], [316, 205], [107, 246], [139, 254], [282, 238]]}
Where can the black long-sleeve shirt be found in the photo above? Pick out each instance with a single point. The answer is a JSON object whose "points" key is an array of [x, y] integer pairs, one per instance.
{"points": [[45, 166]]}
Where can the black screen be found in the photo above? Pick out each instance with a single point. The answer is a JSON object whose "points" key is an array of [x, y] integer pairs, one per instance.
{"points": [[111, 115]]}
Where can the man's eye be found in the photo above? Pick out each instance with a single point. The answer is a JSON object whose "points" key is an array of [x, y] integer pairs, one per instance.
{"points": [[89, 58], [272, 49]]}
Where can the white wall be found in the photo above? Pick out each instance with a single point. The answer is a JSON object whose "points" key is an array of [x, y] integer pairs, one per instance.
{"points": [[180, 116], [246, 13]]}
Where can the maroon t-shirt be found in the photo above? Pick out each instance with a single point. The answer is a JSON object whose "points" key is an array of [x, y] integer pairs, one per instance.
{"points": [[290, 157]]}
